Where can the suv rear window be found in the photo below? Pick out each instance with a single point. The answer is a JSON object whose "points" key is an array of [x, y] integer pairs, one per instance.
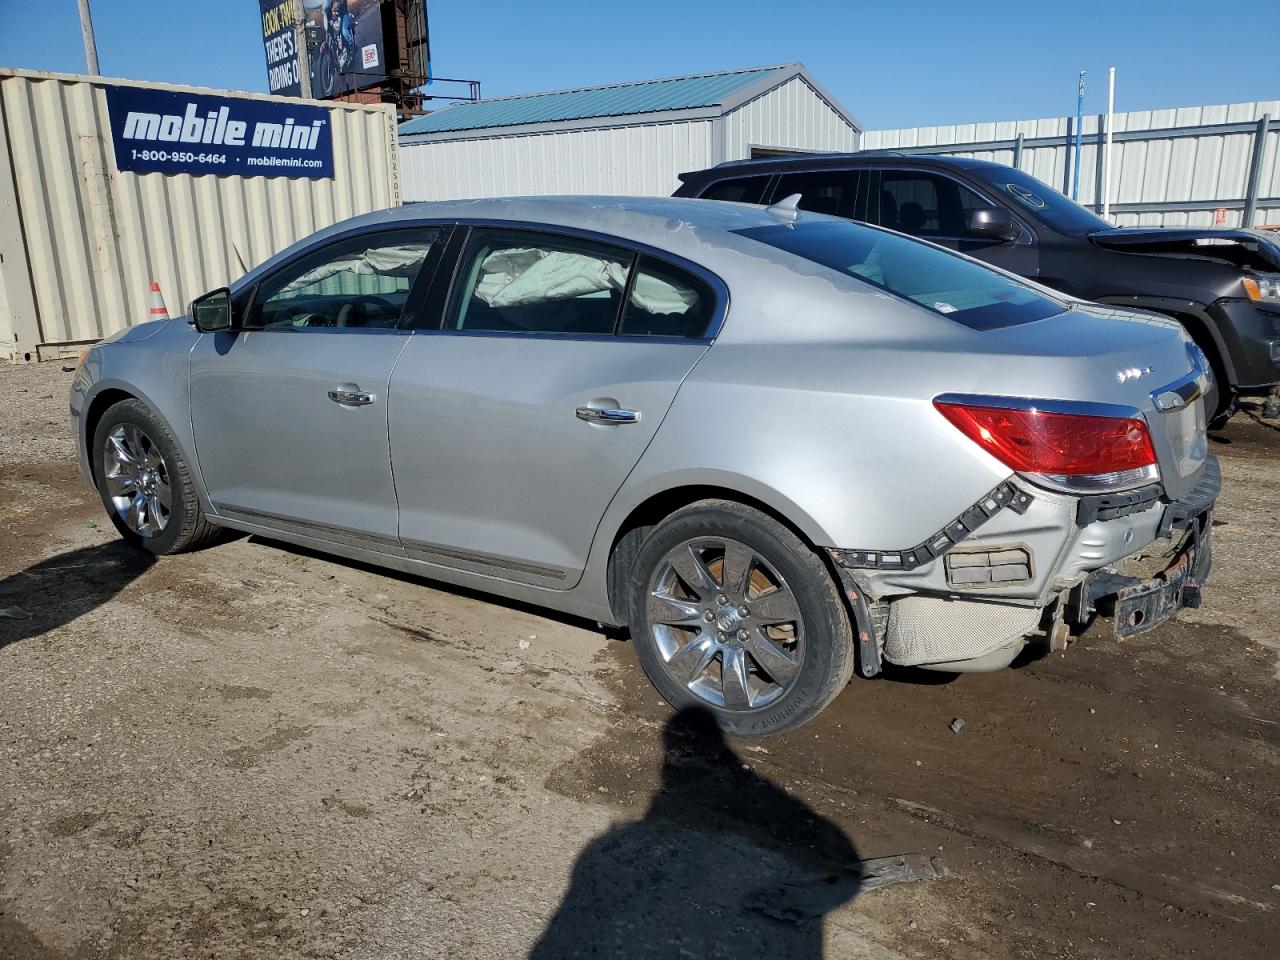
{"points": [[739, 190], [946, 283]]}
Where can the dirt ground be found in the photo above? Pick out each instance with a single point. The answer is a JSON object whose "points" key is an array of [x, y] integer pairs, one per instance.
{"points": [[254, 751]]}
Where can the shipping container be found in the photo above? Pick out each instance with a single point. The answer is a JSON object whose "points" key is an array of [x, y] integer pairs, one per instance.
{"points": [[81, 240]]}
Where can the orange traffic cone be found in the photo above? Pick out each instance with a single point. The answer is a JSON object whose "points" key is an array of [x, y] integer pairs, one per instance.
{"points": [[158, 310]]}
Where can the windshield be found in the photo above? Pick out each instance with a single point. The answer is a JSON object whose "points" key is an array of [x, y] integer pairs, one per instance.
{"points": [[1042, 201], [946, 283]]}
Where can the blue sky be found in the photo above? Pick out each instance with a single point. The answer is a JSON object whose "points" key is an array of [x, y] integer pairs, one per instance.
{"points": [[892, 64]]}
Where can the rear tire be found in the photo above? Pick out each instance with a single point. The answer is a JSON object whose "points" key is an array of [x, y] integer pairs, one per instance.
{"points": [[733, 613], [145, 483]]}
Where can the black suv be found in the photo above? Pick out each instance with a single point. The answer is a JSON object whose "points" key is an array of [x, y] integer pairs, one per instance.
{"points": [[1223, 285]]}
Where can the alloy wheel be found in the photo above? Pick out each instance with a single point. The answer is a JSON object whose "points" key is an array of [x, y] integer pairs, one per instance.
{"points": [[137, 480], [726, 624]]}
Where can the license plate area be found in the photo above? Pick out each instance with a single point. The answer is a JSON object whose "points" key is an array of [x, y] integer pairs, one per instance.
{"points": [[1143, 605]]}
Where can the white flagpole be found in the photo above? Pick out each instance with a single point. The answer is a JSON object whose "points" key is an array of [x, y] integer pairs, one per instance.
{"points": [[1106, 156]]}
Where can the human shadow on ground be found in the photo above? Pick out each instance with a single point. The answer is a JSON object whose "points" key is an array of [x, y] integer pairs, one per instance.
{"points": [[718, 850], [64, 587]]}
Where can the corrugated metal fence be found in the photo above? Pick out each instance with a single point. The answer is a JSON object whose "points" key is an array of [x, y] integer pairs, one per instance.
{"points": [[80, 242], [1174, 167]]}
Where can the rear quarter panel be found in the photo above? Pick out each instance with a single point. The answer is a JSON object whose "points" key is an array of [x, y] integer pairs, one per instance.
{"points": [[838, 438]]}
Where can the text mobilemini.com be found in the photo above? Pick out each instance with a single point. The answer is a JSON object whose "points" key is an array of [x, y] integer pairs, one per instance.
{"points": [[283, 162]]}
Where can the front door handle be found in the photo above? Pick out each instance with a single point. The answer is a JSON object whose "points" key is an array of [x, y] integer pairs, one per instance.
{"points": [[351, 397], [611, 415]]}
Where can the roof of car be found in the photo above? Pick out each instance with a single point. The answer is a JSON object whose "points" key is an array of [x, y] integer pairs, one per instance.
{"points": [[661, 216], [678, 225], [824, 160]]}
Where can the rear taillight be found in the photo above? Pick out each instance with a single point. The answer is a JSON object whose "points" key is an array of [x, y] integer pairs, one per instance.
{"points": [[1076, 450]]}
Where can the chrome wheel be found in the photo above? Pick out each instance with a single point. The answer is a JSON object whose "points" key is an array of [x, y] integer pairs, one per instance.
{"points": [[137, 480], [725, 623]]}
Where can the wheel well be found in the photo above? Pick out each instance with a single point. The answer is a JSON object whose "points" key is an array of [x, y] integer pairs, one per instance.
{"points": [[1204, 339], [101, 403], [646, 516]]}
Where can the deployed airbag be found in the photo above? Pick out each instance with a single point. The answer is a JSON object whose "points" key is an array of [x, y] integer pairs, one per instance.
{"points": [[518, 276]]}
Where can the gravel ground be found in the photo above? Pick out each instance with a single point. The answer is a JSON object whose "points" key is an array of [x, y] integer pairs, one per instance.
{"points": [[254, 751]]}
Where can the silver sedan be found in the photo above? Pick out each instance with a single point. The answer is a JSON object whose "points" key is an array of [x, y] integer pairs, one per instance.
{"points": [[777, 446]]}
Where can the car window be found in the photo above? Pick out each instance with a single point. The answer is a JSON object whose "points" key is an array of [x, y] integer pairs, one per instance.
{"points": [[1042, 201], [740, 190], [665, 301], [947, 283], [927, 204], [535, 283], [834, 192], [360, 283]]}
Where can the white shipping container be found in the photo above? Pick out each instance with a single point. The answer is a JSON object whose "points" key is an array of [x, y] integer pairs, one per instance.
{"points": [[80, 241]]}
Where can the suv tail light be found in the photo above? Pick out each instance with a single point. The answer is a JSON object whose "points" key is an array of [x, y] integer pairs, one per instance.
{"points": [[1073, 451]]}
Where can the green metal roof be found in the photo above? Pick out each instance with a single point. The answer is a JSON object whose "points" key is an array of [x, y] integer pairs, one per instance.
{"points": [[623, 99]]}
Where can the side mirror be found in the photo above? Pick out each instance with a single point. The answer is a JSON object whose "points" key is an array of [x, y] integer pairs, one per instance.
{"points": [[993, 223], [211, 312]]}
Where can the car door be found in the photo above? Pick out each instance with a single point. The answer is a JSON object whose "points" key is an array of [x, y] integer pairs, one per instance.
{"points": [[290, 411], [516, 420], [938, 208]]}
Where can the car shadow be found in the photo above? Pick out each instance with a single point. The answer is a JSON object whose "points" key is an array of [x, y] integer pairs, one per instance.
{"points": [[62, 588], [915, 676], [723, 863]]}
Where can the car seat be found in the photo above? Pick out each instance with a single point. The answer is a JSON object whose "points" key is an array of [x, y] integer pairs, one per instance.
{"points": [[911, 218]]}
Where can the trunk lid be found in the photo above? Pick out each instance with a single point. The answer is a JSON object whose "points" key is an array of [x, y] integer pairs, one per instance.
{"points": [[1125, 362]]}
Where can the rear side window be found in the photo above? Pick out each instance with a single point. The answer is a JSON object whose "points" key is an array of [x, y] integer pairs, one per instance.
{"points": [[665, 301], [741, 190], [949, 284], [517, 282], [833, 192]]}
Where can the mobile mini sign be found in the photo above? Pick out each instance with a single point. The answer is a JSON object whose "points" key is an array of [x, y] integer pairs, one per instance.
{"points": [[160, 131]]}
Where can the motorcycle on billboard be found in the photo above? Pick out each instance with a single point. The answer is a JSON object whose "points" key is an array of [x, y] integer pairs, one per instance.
{"points": [[348, 55], [344, 40]]}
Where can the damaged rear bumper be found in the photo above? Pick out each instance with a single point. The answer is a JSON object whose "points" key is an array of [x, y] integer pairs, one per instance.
{"points": [[1140, 604], [958, 609]]}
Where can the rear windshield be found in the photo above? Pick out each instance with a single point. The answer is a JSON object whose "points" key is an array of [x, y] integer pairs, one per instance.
{"points": [[949, 284]]}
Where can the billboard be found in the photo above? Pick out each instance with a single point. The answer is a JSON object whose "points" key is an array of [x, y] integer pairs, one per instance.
{"points": [[165, 131], [347, 44], [280, 39], [362, 50]]}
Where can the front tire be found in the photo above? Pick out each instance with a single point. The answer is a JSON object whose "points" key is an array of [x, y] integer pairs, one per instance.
{"points": [[733, 613], [145, 483]]}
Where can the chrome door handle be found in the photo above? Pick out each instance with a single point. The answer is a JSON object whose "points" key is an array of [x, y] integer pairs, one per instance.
{"points": [[608, 415], [350, 398]]}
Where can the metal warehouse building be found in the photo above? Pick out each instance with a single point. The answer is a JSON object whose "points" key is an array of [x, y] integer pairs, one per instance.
{"points": [[629, 138]]}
